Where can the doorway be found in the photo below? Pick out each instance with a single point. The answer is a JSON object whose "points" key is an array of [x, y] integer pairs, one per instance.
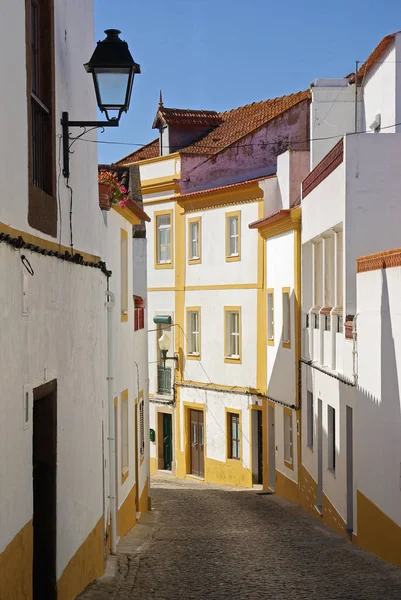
{"points": [[272, 449], [197, 443], [350, 471], [319, 455], [44, 462], [257, 447], [167, 441]]}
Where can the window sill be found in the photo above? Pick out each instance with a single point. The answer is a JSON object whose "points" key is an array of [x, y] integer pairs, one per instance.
{"points": [[286, 345], [233, 360], [195, 260], [166, 265], [270, 342], [289, 465], [332, 471], [193, 356], [236, 460], [124, 316], [233, 257], [124, 475]]}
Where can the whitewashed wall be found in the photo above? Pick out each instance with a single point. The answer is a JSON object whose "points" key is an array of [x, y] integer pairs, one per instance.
{"points": [[378, 423], [213, 269], [64, 338]]}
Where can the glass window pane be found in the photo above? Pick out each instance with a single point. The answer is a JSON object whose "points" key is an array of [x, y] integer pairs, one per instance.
{"points": [[270, 316], [163, 239]]}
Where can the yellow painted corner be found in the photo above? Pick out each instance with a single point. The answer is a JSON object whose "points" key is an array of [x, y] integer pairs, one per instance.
{"points": [[16, 566]]}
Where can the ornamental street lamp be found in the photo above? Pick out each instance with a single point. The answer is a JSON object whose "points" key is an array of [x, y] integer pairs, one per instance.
{"points": [[113, 70]]}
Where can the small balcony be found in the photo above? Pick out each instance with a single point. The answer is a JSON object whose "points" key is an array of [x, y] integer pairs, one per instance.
{"points": [[163, 380]]}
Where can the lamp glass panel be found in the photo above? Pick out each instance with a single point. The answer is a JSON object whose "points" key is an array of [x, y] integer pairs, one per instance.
{"points": [[113, 84]]}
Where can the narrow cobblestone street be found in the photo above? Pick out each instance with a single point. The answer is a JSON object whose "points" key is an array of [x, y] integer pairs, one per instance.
{"points": [[202, 541]]}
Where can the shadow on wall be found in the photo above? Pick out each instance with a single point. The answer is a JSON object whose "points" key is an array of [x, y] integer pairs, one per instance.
{"points": [[378, 444]]}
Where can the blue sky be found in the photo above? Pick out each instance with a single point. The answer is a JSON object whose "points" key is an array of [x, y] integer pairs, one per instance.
{"points": [[220, 54]]}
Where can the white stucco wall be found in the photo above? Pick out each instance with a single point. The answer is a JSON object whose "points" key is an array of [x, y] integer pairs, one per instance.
{"points": [[380, 92], [64, 338], [74, 45], [213, 269], [378, 423], [168, 167], [281, 368]]}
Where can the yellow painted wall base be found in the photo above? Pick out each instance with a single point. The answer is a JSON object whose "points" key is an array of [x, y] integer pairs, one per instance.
{"points": [[16, 566], [286, 488], [144, 499], [332, 518], [153, 465], [377, 532], [127, 513], [228, 473], [86, 565]]}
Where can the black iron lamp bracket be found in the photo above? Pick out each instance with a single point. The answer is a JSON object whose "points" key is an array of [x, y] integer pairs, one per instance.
{"points": [[68, 140]]}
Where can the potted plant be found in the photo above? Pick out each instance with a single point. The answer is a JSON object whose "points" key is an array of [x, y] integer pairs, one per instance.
{"points": [[111, 190]]}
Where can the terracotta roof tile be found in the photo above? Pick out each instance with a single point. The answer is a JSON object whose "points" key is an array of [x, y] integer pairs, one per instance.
{"points": [[222, 187], [374, 57], [234, 125], [150, 150], [184, 116], [241, 121]]}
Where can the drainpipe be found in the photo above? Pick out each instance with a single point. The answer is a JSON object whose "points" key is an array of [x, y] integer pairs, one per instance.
{"points": [[112, 438]]}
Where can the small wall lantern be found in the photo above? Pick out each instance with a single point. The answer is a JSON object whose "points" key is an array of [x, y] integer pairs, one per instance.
{"points": [[164, 345], [113, 70]]}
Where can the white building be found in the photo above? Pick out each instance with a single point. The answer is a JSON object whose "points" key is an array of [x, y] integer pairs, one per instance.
{"points": [[202, 187], [53, 318], [350, 208]]}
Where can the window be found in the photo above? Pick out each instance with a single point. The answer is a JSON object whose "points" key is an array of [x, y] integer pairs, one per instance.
{"points": [[309, 420], [124, 275], [233, 236], [193, 332], [163, 240], [141, 426], [233, 334], [331, 438], [194, 240], [139, 313], [233, 438], [42, 211], [286, 318], [270, 317], [124, 436], [288, 445]]}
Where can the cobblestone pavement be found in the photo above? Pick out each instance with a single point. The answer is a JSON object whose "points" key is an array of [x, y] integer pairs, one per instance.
{"points": [[202, 541]]}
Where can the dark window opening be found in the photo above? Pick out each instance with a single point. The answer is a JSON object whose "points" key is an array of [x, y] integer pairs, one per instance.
{"points": [[139, 313]]}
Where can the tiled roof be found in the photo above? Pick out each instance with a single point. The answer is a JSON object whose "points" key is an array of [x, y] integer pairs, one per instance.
{"points": [[269, 220], [222, 187], [374, 57], [150, 150], [331, 161], [183, 116], [241, 121], [234, 125]]}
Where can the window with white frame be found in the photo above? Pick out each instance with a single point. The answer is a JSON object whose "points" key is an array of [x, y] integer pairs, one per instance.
{"points": [[163, 225], [309, 420], [194, 239], [270, 315], [124, 435], [233, 233], [331, 438], [288, 441], [193, 333], [233, 333], [286, 318]]}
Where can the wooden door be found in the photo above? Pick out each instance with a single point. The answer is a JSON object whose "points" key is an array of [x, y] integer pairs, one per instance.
{"points": [[197, 443], [260, 447], [44, 458]]}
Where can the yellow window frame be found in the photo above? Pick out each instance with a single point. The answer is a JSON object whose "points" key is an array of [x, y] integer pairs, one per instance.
{"points": [[270, 292], [156, 214], [190, 309], [286, 290], [229, 359], [228, 215], [197, 260], [288, 412]]}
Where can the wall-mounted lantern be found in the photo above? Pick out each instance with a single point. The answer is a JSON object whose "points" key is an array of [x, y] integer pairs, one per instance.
{"points": [[113, 70], [164, 345]]}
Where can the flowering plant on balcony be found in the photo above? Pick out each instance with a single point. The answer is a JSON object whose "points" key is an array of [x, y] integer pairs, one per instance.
{"points": [[116, 193]]}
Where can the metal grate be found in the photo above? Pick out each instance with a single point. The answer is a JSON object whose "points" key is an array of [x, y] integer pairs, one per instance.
{"points": [[41, 126], [163, 379]]}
